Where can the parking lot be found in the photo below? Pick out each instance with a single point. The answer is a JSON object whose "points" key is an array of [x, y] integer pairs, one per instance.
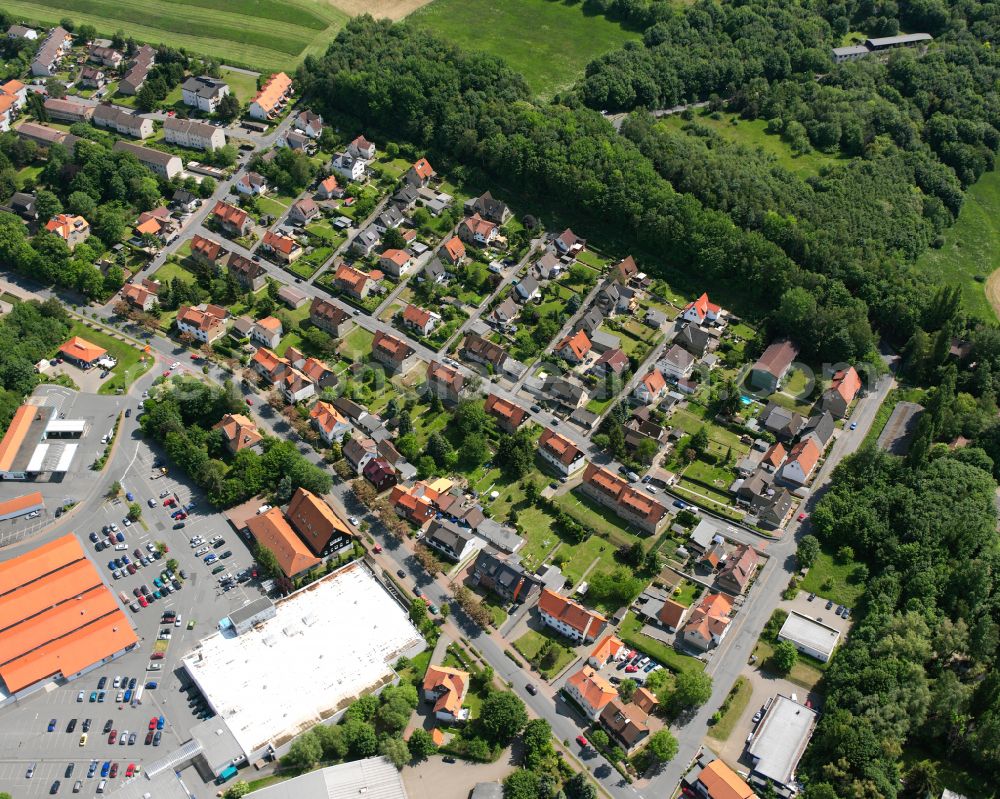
{"points": [[24, 739]]}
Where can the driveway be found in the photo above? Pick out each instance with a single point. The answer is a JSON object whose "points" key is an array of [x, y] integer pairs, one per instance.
{"points": [[435, 779]]}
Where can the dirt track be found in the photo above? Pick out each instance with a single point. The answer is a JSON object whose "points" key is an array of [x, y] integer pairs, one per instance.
{"points": [[993, 290], [393, 9]]}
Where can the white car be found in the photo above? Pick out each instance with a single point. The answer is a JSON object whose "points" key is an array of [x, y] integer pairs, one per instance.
{"points": [[79, 697], [126, 522], [174, 365], [201, 551], [353, 520], [150, 546]]}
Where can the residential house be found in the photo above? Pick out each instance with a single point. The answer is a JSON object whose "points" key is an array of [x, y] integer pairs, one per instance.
{"points": [[395, 262], [591, 320], [505, 577], [625, 270], [694, 339], [185, 202], [527, 289], [446, 383], [9, 103], [50, 52], [702, 311], [633, 506], [802, 460], [210, 252], [68, 110], [671, 615], [359, 452], [379, 473], [327, 316], [607, 651], [627, 724], [638, 431], [238, 432], [21, 32], [716, 780], [362, 148], [453, 251], [590, 691], [675, 363], [773, 509], [251, 184], [569, 243], [204, 92], [476, 230], [509, 417], [820, 427], [454, 542], [782, 422], [560, 453], [773, 457], [608, 298], [205, 324], [645, 699], [352, 281], [420, 320], [136, 76], [272, 98], [317, 524], [405, 198], [266, 332], [166, 165], [157, 223], [105, 56], [656, 319], [405, 470], [446, 688], [390, 219], [283, 248], [570, 618], [548, 267], [566, 393], [294, 140], [267, 364], [612, 362], [843, 389], [249, 275], [44, 136], [505, 312], [92, 78], [366, 241], [477, 349], [708, 622], [309, 123], [419, 174], [651, 388], [415, 504], [329, 189], [73, 230], [141, 295], [272, 530], [194, 134], [489, 208], [23, 205], [393, 352], [303, 211], [738, 569], [318, 372], [349, 167], [574, 347], [771, 368]]}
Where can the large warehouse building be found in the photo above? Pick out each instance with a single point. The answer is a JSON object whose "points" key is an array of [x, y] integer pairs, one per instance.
{"points": [[322, 647], [58, 620]]}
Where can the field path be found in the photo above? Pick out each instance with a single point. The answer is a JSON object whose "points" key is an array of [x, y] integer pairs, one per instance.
{"points": [[391, 9], [993, 291]]}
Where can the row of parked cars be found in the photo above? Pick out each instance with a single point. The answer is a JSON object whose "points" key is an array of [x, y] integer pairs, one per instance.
{"points": [[634, 661]]}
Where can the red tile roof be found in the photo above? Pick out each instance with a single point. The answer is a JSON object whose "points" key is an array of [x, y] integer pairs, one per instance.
{"points": [[846, 383], [569, 612], [416, 316], [279, 243], [508, 411], [423, 169], [578, 343], [564, 450]]}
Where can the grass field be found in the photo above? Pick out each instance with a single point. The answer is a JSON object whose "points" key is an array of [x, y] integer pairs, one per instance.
{"points": [[732, 709], [754, 135], [970, 249], [531, 643], [268, 34], [831, 579], [548, 41]]}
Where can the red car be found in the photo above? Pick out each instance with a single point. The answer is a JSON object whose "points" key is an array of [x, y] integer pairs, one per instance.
{"points": [[166, 373], [169, 502], [378, 549], [130, 770], [149, 738], [801, 517], [143, 601], [582, 741], [114, 770], [249, 402], [630, 669], [156, 656], [112, 736], [152, 723], [194, 356]]}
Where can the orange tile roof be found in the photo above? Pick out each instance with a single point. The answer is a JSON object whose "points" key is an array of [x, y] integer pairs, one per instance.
{"points": [[621, 492], [452, 683], [197, 318], [503, 409], [672, 613], [273, 531], [398, 257], [230, 213], [314, 520], [267, 360], [607, 648], [238, 428], [273, 91], [437, 736], [38, 562], [774, 455], [578, 343], [846, 383], [270, 323], [14, 438], [151, 226], [564, 450], [82, 349], [455, 248], [724, 783], [806, 453], [329, 184], [395, 348], [6, 102], [595, 691], [326, 416], [33, 597], [279, 243], [137, 294], [55, 622], [205, 247], [654, 382], [439, 373], [702, 306], [21, 502], [416, 316], [63, 224], [645, 699], [479, 226], [12, 87], [423, 168], [354, 278], [568, 611]]}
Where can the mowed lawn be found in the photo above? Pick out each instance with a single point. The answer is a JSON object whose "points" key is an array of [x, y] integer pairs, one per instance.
{"points": [[265, 34], [970, 248], [548, 41]]}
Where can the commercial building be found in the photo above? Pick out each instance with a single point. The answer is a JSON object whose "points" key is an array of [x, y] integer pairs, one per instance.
{"points": [[253, 613], [58, 620], [372, 778], [37, 444], [809, 636], [326, 644], [22, 506], [781, 740]]}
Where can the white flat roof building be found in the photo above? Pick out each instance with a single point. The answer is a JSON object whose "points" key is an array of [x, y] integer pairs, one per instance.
{"points": [[326, 645], [781, 739], [372, 778], [809, 636]]}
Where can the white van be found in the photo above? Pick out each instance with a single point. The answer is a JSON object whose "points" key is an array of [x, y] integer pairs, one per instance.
{"points": [[100, 786]]}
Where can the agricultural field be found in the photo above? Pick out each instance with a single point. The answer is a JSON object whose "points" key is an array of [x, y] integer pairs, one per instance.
{"points": [[548, 42], [967, 258], [266, 34]]}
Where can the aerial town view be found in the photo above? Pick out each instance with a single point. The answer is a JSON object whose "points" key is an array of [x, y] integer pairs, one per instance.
{"points": [[499, 399]]}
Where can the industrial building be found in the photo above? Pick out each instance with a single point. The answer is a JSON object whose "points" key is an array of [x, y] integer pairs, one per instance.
{"points": [[372, 778], [780, 741], [810, 637], [37, 444]]}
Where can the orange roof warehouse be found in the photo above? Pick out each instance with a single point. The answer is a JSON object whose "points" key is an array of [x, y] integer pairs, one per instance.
{"points": [[58, 620]]}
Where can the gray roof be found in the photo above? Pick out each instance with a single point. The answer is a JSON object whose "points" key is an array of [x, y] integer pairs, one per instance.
{"points": [[204, 86], [449, 534], [590, 321], [250, 610], [604, 340], [372, 778], [487, 790], [563, 389], [145, 154], [499, 535], [678, 357], [528, 285], [821, 425], [903, 38]]}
